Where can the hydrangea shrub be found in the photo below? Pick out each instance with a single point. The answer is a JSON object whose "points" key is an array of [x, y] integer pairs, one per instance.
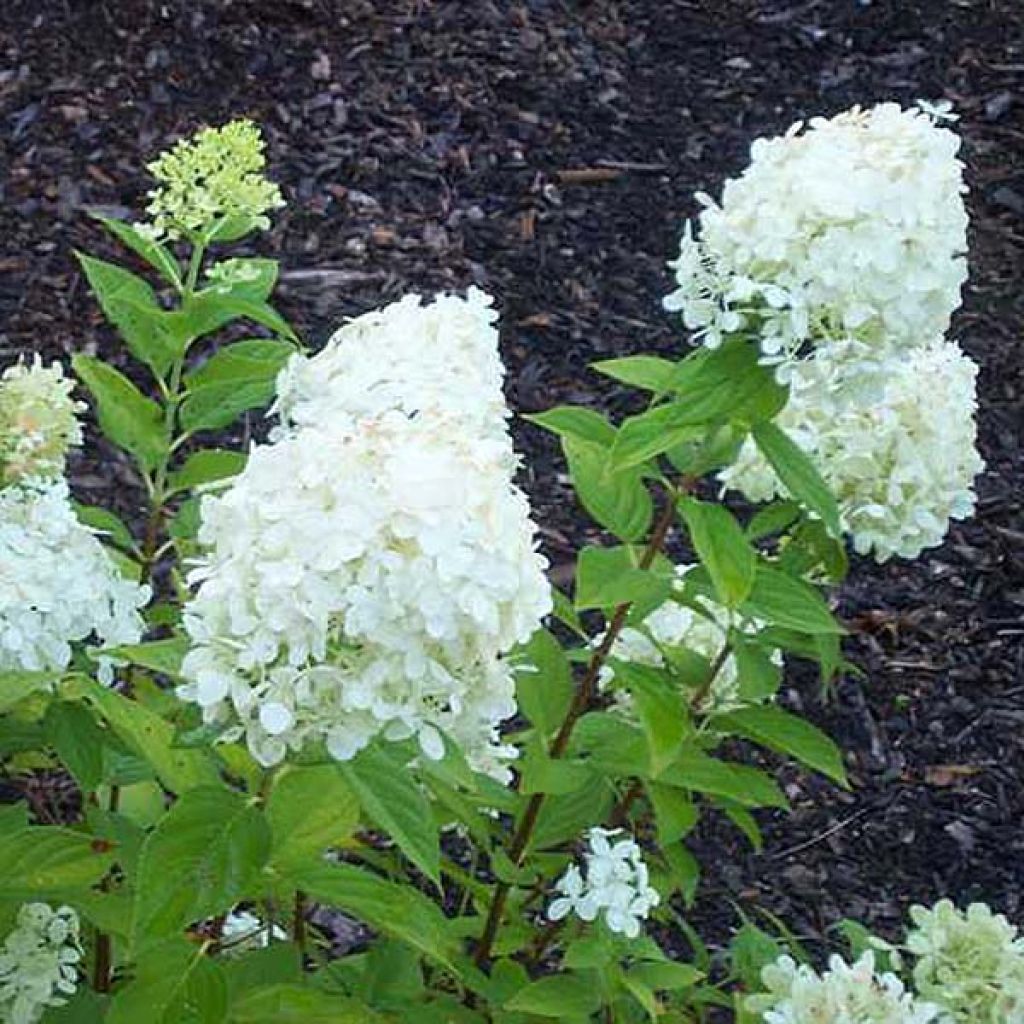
{"points": [[330, 670]]}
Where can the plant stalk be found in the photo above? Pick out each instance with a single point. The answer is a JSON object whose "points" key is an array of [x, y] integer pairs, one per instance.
{"points": [[580, 704]]}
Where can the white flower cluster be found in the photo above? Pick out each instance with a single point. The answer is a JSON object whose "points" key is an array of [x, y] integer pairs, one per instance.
{"points": [[852, 226], [844, 244], [894, 438], [369, 569], [58, 585], [615, 883], [971, 963], [844, 994], [38, 421], [38, 962], [676, 626]]}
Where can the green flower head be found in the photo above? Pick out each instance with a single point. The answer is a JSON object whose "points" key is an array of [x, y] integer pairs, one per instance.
{"points": [[211, 186], [38, 422], [971, 963]]}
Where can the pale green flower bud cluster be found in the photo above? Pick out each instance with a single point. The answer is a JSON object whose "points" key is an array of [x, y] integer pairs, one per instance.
{"points": [[843, 994], [38, 422], [38, 962], [211, 182], [970, 962], [960, 966]]}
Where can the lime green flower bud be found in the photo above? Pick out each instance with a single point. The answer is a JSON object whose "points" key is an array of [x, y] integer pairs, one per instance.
{"points": [[38, 422], [212, 185]]}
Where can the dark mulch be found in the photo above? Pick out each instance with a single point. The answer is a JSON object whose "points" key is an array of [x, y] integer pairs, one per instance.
{"points": [[422, 146]]}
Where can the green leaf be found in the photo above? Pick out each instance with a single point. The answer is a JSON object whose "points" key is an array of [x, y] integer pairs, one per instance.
{"points": [[618, 501], [773, 518], [84, 1007], [310, 809], [72, 731], [299, 1004], [559, 996], [660, 706], [722, 548], [129, 419], [206, 466], [575, 421], [130, 304], [544, 687], [163, 656], [277, 964], [667, 977], [784, 601], [542, 774], [16, 686], [608, 577], [257, 277], [394, 802], [647, 372], [757, 675], [695, 770], [797, 473], [213, 307], [725, 384], [146, 734], [152, 252], [750, 951], [565, 816], [35, 860], [652, 433], [675, 814], [236, 378], [106, 523], [397, 910], [778, 730], [173, 983], [204, 856]]}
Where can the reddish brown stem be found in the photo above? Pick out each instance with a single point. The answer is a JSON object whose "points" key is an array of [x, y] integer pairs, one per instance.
{"points": [[579, 706]]}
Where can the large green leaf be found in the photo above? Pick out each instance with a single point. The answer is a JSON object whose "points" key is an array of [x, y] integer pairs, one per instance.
{"points": [[797, 473], [129, 419], [722, 548], [696, 771], [16, 686], [395, 803], [726, 384], [146, 734], [781, 600], [561, 996], [565, 816], [777, 729], [661, 709], [575, 421], [204, 856], [236, 378], [35, 860], [142, 245], [132, 307], [206, 466], [173, 983], [544, 686], [607, 577], [396, 910], [72, 731], [647, 372], [310, 809], [299, 1004], [618, 500]]}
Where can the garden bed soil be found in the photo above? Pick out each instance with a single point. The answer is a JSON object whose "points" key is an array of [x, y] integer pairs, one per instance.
{"points": [[548, 151]]}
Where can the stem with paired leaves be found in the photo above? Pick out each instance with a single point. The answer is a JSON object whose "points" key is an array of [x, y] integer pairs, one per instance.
{"points": [[580, 704], [157, 483]]}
